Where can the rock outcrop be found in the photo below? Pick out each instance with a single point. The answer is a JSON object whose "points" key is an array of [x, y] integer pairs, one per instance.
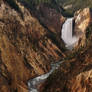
{"points": [[82, 21]]}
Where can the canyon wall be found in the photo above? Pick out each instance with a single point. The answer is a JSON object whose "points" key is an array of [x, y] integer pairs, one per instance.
{"points": [[26, 47], [29, 42], [75, 74]]}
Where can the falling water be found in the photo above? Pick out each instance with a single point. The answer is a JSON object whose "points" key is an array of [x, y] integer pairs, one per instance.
{"points": [[67, 34], [70, 40]]}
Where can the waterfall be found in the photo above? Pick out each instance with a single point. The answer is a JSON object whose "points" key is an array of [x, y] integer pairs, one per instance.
{"points": [[70, 40], [67, 34], [32, 83]]}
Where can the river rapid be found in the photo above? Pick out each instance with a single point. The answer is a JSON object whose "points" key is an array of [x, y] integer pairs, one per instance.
{"points": [[69, 40]]}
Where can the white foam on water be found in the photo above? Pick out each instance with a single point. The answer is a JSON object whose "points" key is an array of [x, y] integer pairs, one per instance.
{"points": [[67, 34], [32, 83]]}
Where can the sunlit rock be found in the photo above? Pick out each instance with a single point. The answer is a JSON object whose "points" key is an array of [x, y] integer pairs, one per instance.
{"points": [[82, 21]]}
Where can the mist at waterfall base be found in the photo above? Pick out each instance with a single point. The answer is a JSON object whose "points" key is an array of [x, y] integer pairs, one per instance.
{"points": [[69, 39], [67, 34]]}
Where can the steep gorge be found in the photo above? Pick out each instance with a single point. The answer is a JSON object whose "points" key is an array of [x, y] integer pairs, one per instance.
{"points": [[26, 47], [30, 43]]}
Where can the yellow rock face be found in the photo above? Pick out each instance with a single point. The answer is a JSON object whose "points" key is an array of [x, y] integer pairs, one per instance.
{"points": [[82, 21]]}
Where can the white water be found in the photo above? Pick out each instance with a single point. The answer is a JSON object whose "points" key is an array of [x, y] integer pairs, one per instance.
{"points": [[32, 84], [70, 40], [67, 34]]}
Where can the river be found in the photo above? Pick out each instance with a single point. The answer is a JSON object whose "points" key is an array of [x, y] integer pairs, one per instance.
{"points": [[32, 83], [69, 39]]}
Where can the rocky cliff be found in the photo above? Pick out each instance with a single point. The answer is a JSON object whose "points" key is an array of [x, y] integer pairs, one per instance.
{"points": [[29, 41], [75, 74], [27, 47]]}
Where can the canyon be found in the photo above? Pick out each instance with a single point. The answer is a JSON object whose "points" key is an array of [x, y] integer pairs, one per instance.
{"points": [[30, 40]]}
